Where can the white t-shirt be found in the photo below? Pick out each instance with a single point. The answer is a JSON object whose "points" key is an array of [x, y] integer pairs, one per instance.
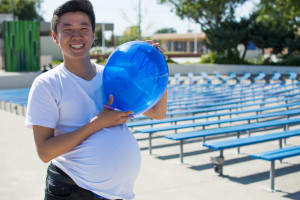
{"points": [[106, 163]]}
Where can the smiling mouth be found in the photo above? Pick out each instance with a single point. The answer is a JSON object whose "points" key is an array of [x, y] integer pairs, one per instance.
{"points": [[77, 46]]}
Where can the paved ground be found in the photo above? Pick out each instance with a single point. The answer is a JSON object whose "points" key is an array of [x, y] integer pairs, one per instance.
{"points": [[161, 177]]}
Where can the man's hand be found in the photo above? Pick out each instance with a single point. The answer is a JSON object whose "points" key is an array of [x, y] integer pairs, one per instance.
{"points": [[157, 45], [108, 117]]}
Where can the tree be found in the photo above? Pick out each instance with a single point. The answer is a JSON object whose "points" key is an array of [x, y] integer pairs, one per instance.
{"points": [[271, 35], [217, 20], [209, 14], [138, 20], [98, 36], [280, 21], [225, 38], [284, 11], [130, 34], [293, 44], [23, 9], [166, 30], [273, 25], [5, 6]]}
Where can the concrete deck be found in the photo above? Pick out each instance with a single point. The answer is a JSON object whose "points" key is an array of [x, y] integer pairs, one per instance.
{"points": [[162, 177], [10, 80]]}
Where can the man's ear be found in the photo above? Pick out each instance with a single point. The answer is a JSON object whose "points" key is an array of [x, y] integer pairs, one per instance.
{"points": [[55, 40], [93, 36]]}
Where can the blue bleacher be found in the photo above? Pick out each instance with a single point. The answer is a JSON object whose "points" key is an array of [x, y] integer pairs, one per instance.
{"points": [[239, 142], [260, 76], [211, 100], [276, 76], [246, 76], [194, 79], [230, 76], [14, 96], [292, 76], [277, 154], [214, 113]]}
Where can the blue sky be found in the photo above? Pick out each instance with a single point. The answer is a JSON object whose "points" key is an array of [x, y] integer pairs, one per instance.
{"points": [[124, 13]]}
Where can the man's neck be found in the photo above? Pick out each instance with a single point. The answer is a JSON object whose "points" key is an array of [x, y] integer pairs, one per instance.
{"points": [[82, 68]]}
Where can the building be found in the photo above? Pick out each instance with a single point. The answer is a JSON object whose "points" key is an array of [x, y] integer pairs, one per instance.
{"points": [[3, 17], [181, 43], [186, 43]]}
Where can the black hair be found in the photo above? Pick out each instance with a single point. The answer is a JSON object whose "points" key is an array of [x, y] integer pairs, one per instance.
{"points": [[84, 6]]}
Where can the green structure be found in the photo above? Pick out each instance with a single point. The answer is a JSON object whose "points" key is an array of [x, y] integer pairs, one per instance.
{"points": [[22, 46]]}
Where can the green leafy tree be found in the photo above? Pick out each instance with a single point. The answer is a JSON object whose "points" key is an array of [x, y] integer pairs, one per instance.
{"points": [[130, 34], [23, 9], [217, 20], [5, 6], [280, 22], [225, 38], [209, 14], [272, 35], [274, 25], [98, 36], [283, 11], [294, 44]]}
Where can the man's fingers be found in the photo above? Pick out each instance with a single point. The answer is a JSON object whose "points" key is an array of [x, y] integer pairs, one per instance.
{"points": [[157, 45], [124, 119], [110, 100], [149, 41], [128, 113]]}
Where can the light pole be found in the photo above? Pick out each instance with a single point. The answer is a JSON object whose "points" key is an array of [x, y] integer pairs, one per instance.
{"points": [[195, 42], [39, 12], [139, 25], [12, 9], [103, 38]]}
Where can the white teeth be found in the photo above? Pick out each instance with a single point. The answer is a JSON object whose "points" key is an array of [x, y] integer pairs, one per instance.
{"points": [[77, 46]]}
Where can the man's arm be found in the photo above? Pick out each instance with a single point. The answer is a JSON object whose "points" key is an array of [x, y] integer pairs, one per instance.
{"points": [[50, 147], [158, 111]]}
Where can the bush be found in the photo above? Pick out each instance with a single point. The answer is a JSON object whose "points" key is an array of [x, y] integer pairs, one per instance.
{"points": [[290, 61], [170, 61], [285, 61], [230, 60], [101, 60], [213, 58], [56, 62], [209, 58], [258, 60]]}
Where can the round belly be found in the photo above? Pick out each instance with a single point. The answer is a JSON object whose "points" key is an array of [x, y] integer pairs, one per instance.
{"points": [[111, 154]]}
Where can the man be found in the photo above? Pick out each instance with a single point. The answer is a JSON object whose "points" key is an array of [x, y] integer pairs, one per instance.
{"points": [[92, 152]]}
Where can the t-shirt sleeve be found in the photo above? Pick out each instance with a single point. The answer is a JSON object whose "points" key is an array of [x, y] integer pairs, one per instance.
{"points": [[42, 108]]}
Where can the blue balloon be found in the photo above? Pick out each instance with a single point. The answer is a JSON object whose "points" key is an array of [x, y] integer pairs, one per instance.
{"points": [[136, 74]]}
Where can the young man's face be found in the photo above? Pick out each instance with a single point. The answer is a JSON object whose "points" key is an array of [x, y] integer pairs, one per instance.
{"points": [[74, 35]]}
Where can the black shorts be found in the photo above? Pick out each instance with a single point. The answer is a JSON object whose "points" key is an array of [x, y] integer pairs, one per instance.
{"points": [[59, 186]]}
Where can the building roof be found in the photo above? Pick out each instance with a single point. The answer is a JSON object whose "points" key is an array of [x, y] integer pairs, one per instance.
{"points": [[176, 36]]}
